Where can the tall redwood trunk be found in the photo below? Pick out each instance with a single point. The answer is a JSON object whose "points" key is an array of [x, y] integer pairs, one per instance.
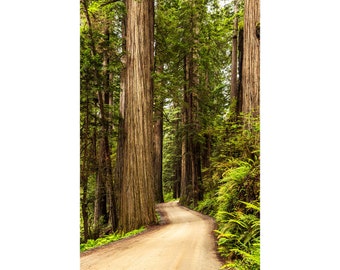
{"points": [[234, 83], [251, 58], [185, 161], [107, 128], [240, 66], [135, 149], [178, 161], [100, 200], [85, 173], [158, 150], [191, 176]]}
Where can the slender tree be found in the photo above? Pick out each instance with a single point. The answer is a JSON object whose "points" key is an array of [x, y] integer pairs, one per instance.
{"points": [[191, 148], [234, 70], [158, 139], [84, 171]]}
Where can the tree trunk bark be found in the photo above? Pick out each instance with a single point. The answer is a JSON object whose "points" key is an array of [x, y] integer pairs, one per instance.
{"points": [[100, 200], [191, 176], [185, 165], [240, 66], [136, 175], [107, 128], [158, 150], [121, 132], [251, 58], [158, 136], [178, 161], [234, 93], [84, 174]]}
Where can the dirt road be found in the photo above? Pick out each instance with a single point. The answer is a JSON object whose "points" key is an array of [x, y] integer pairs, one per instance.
{"points": [[185, 242]]}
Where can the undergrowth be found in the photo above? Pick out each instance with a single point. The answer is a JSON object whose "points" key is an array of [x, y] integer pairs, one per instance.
{"points": [[90, 244], [239, 238], [233, 181], [168, 197]]}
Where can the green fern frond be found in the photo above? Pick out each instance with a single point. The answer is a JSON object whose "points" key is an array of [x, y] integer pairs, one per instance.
{"points": [[251, 206]]}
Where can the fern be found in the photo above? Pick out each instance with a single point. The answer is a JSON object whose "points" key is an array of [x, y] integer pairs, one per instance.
{"points": [[252, 205], [233, 200]]}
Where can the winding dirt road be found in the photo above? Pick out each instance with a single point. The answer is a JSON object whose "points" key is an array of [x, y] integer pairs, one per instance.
{"points": [[184, 242]]}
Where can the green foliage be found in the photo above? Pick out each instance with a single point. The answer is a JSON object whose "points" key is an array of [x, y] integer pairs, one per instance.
{"points": [[240, 230], [176, 39], [233, 181], [208, 206], [100, 38], [239, 237], [90, 244], [168, 197]]}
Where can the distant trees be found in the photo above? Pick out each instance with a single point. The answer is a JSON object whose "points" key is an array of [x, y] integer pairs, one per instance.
{"points": [[99, 62], [194, 50], [191, 175]]}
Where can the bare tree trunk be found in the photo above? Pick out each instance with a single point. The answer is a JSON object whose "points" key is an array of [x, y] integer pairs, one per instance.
{"points": [[158, 150], [84, 174], [240, 66], [100, 197], [158, 135], [234, 93], [185, 165], [194, 142], [85, 215], [191, 176], [121, 131], [178, 161], [206, 152], [251, 58], [107, 128], [136, 175]]}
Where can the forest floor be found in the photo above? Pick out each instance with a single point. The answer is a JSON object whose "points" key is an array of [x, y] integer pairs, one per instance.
{"points": [[184, 241]]}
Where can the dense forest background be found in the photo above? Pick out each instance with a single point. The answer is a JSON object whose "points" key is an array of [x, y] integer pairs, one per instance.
{"points": [[169, 107], [40, 138]]}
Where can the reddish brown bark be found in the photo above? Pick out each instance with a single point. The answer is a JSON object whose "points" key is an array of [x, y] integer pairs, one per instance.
{"points": [[135, 156]]}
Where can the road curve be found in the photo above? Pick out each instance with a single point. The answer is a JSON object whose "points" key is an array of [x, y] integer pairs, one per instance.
{"points": [[185, 242]]}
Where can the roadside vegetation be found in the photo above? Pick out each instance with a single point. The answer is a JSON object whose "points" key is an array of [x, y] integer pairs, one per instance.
{"points": [[234, 195], [91, 243]]}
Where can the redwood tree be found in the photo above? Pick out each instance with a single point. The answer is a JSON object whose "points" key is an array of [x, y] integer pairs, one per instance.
{"points": [[158, 142], [135, 170], [233, 83], [251, 58], [191, 176]]}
